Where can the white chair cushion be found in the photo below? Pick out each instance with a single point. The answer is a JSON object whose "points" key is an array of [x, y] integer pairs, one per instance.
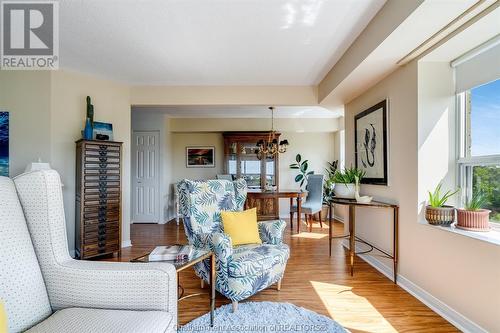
{"points": [[21, 284], [82, 320]]}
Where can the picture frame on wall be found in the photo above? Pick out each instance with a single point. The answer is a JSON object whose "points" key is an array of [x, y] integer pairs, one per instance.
{"points": [[370, 142], [200, 157], [4, 143]]}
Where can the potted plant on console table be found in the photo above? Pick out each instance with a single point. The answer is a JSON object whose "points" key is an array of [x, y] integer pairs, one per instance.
{"points": [[472, 217], [345, 186], [436, 212]]}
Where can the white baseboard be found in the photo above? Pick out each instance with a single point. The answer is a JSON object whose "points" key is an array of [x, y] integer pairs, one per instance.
{"points": [[126, 243], [448, 313]]}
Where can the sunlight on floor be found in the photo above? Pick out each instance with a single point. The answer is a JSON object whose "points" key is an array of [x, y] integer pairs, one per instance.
{"points": [[351, 310], [311, 235]]}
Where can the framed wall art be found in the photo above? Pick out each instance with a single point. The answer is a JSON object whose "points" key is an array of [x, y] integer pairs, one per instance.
{"points": [[200, 157], [4, 143], [371, 140]]}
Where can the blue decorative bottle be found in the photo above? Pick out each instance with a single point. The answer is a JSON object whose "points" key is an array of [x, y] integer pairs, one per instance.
{"points": [[87, 132]]}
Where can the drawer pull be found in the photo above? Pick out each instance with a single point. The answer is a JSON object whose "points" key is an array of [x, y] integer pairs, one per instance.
{"points": [[103, 171], [102, 147], [101, 243], [103, 159], [104, 177], [103, 153], [103, 165], [102, 237]]}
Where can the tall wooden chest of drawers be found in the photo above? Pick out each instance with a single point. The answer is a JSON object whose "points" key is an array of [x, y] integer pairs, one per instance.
{"points": [[98, 198]]}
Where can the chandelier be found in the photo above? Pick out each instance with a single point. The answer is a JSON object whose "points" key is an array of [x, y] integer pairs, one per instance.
{"points": [[271, 147]]}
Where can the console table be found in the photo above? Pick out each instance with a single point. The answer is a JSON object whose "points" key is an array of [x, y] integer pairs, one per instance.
{"points": [[352, 230]]}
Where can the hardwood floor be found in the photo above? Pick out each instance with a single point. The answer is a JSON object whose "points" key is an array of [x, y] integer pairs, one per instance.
{"points": [[367, 302]]}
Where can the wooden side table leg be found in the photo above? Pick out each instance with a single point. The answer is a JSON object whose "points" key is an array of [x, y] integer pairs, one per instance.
{"points": [[299, 212], [212, 289], [395, 243], [352, 243], [330, 231], [291, 215]]}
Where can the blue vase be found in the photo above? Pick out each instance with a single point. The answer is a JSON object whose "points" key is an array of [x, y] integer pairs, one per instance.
{"points": [[87, 132]]}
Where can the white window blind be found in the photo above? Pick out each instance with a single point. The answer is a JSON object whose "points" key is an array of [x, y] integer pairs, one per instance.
{"points": [[478, 70]]}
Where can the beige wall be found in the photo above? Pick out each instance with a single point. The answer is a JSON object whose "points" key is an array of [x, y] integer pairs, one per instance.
{"points": [[26, 95], [47, 112], [111, 104], [318, 148], [182, 140], [457, 270], [254, 124], [223, 95]]}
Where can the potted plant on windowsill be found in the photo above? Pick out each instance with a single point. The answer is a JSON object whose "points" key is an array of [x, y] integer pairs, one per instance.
{"points": [[473, 217], [345, 182], [436, 212]]}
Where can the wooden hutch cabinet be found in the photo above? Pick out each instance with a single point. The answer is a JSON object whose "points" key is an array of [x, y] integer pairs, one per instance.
{"points": [[241, 161], [98, 198]]}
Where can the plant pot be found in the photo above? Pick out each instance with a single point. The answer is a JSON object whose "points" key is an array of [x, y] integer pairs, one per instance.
{"points": [[477, 220], [440, 215], [345, 191]]}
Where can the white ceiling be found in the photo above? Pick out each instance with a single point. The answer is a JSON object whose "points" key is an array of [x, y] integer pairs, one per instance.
{"points": [[427, 19], [211, 111], [216, 42], [478, 33]]}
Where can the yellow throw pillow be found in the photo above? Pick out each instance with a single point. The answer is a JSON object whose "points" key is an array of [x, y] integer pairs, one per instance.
{"points": [[242, 226], [3, 318]]}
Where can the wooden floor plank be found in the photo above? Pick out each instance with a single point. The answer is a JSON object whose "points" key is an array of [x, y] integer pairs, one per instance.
{"points": [[366, 302]]}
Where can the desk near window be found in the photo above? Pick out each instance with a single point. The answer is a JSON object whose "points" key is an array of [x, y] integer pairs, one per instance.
{"points": [[352, 230]]}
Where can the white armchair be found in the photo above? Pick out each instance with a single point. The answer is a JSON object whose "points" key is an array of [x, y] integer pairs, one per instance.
{"points": [[39, 276]]}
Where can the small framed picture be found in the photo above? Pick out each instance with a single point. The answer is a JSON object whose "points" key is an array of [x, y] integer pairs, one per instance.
{"points": [[371, 141], [102, 131], [200, 157]]}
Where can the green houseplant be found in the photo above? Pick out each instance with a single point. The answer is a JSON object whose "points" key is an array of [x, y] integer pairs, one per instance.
{"points": [[302, 166], [345, 182], [472, 216], [328, 187], [436, 212]]}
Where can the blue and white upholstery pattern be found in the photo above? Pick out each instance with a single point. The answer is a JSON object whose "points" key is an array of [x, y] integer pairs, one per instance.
{"points": [[243, 270], [38, 277]]}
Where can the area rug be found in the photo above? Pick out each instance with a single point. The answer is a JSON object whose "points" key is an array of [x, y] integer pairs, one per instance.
{"points": [[264, 317]]}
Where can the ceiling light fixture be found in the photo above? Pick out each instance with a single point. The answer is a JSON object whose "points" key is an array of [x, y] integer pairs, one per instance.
{"points": [[271, 147]]}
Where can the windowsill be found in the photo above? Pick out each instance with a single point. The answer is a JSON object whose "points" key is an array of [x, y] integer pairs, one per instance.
{"points": [[492, 236]]}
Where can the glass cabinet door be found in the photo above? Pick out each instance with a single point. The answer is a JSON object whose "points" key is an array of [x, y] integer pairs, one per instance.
{"points": [[241, 161], [250, 165]]}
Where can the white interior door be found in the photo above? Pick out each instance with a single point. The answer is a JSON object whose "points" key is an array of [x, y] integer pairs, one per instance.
{"points": [[145, 179]]}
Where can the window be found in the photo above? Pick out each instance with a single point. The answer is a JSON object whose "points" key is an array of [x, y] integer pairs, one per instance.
{"points": [[479, 145]]}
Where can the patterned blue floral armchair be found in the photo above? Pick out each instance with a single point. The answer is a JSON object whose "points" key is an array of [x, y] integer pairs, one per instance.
{"points": [[243, 270]]}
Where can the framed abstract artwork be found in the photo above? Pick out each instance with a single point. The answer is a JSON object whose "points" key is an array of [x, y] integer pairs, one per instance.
{"points": [[370, 140], [102, 131], [4, 143], [200, 157]]}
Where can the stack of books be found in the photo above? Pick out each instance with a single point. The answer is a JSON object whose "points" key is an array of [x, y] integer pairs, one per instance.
{"points": [[171, 253]]}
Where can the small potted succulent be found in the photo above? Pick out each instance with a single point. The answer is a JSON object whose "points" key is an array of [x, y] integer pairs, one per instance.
{"points": [[473, 217], [345, 182], [436, 212]]}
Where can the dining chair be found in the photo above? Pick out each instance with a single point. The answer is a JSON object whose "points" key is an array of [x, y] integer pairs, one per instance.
{"points": [[314, 201]]}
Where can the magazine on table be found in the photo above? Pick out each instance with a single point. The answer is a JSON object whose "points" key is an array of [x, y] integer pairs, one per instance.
{"points": [[171, 252]]}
